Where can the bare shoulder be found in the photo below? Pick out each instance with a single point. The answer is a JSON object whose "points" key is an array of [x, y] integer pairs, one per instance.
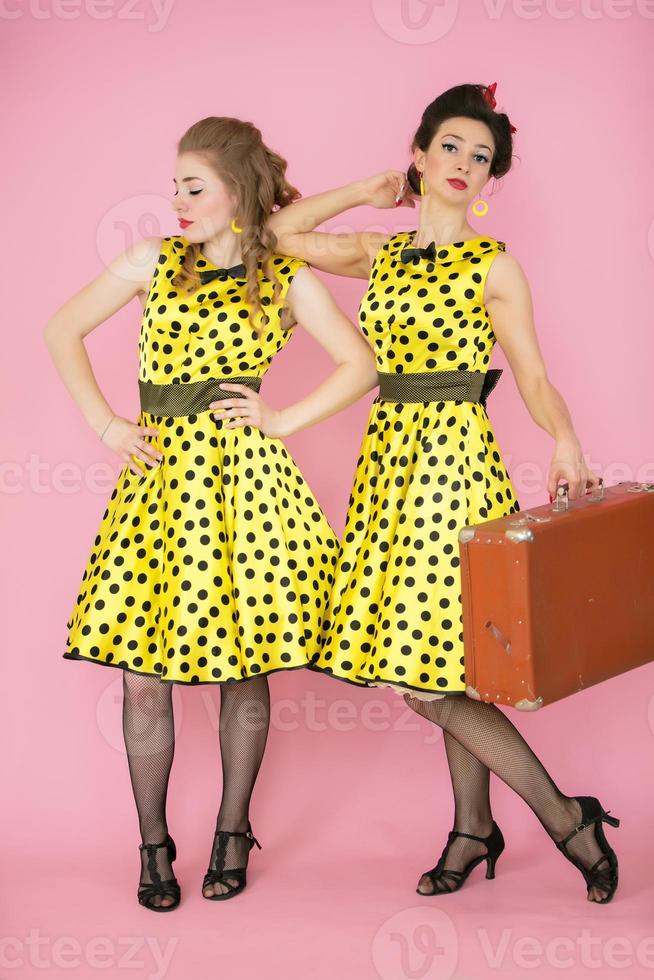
{"points": [[138, 262], [504, 276], [304, 285], [373, 242], [127, 276], [301, 273]]}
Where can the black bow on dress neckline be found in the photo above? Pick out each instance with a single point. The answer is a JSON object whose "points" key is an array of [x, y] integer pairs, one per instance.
{"points": [[235, 272], [429, 252]]}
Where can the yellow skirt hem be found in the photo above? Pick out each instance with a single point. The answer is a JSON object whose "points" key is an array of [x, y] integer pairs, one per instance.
{"points": [[375, 681], [173, 680]]}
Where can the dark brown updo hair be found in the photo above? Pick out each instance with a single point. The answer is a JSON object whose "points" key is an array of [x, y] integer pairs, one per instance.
{"points": [[256, 176], [464, 100]]}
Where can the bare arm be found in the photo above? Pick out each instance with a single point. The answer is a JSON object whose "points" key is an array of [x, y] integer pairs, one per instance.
{"points": [[355, 374], [350, 254], [126, 277], [508, 301]]}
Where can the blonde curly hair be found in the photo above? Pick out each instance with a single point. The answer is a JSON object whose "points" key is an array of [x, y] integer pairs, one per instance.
{"points": [[256, 176]]}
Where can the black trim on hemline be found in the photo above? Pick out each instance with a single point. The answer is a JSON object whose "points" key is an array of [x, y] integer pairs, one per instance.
{"points": [[345, 680], [165, 680], [380, 680]]}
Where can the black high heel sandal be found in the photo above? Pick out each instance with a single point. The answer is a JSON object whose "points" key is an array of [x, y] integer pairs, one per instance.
{"points": [[169, 888], [220, 874], [606, 878], [494, 847]]}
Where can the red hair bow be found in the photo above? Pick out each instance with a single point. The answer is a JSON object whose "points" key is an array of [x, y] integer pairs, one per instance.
{"points": [[489, 97]]}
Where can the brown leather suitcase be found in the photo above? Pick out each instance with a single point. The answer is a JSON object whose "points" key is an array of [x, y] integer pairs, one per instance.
{"points": [[558, 598]]}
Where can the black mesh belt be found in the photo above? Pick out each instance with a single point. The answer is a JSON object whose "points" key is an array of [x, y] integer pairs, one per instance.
{"points": [[189, 398], [434, 386]]}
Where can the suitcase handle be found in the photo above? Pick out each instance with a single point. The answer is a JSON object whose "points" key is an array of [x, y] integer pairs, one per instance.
{"points": [[562, 501]]}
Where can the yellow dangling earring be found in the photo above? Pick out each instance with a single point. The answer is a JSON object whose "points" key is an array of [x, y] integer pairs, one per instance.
{"points": [[422, 184], [480, 208], [235, 227]]}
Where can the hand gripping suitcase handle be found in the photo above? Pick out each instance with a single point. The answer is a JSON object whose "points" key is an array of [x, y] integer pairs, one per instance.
{"points": [[562, 501]]}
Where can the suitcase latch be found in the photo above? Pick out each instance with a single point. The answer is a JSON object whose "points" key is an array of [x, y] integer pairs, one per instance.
{"points": [[530, 519], [562, 501]]}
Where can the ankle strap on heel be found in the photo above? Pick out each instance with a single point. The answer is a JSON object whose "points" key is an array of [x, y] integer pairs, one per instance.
{"points": [[482, 840], [144, 847], [602, 817], [457, 833], [239, 833]]}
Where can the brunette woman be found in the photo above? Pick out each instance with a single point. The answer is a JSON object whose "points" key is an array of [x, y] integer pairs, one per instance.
{"points": [[438, 298]]}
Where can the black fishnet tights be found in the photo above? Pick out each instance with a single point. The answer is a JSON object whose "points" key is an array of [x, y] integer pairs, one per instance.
{"points": [[244, 723], [149, 734], [480, 739]]}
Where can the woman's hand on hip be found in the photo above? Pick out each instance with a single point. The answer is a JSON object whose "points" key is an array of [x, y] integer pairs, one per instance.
{"points": [[248, 408], [128, 440]]}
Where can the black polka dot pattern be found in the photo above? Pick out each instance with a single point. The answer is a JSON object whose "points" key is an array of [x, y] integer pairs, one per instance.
{"points": [[217, 565], [425, 470], [208, 334]]}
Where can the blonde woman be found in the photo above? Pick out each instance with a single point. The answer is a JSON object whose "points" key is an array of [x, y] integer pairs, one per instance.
{"points": [[213, 563]]}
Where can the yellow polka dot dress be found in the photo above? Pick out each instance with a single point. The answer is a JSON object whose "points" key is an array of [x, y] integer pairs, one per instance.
{"points": [[425, 470], [216, 565]]}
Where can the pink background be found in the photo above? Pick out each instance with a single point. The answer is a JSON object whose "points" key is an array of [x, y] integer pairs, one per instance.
{"points": [[354, 799]]}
